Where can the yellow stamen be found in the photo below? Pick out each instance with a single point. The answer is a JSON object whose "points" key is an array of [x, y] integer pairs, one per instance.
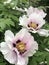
{"points": [[33, 25], [21, 46]]}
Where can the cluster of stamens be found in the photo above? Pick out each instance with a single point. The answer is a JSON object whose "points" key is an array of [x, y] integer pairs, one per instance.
{"points": [[21, 47], [33, 25]]}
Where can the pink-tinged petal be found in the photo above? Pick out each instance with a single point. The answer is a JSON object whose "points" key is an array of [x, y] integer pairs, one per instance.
{"points": [[32, 50], [32, 10], [35, 18], [25, 37], [21, 34], [11, 57], [15, 49], [22, 60], [43, 32], [9, 35], [4, 48], [40, 12]]}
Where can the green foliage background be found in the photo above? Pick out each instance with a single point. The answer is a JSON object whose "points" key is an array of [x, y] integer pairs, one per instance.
{"points": [[9, 19]]}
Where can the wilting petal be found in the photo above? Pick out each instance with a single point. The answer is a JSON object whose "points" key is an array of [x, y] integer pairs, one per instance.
{"points": [[9, 35], [11, 57], [22, 60], [43, 32], [4, 48]]}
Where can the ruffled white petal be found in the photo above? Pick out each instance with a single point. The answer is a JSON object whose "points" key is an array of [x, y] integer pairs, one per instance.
{"points": [[32, 10], [43, 32], [34, 31], [23, 20], [11, 57], [4, 48], [22, 60], [29, 10], [9, 35]]}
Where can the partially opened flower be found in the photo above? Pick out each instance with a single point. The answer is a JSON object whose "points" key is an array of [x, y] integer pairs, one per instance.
{"points": [[33, 21], [16, 49]]}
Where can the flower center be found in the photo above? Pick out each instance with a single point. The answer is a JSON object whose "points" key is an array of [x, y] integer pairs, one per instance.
{"points": [[21, 47], [33, 25]]}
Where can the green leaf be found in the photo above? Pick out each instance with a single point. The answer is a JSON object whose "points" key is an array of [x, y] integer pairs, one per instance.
{"points": [[39, 53], [32, 61], [46, 26], [5, 22], [47, 59]]}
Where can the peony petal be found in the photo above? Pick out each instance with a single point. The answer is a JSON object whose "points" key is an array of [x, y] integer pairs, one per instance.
{"points": [[11, 57], [22, 60], [34, 31], [21, 34], [27, 37], [9, 35], [43, 32], [37, 19], [10, 45], [4, 48], [32, 10], [40, 12], [32, 49], [23, 20]]}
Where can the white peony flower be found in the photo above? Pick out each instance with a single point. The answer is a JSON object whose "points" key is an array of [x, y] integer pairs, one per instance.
{"points": [[33, 21], [16, 49]]}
